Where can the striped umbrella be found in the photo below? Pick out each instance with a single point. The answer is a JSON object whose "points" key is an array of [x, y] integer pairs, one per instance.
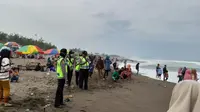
{"points": [[51, 52], [30, 49]]}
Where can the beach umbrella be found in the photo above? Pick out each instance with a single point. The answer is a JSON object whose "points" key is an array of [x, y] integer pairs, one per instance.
{"points": [[5, 47], [51, 52], [12, 44], [1, 45], [30, 49]]}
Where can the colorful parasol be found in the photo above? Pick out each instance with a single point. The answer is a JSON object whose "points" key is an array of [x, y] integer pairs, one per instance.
{"points": [[5, 47], [51, 52], [30, 49], [11, 44], [1, 45]]}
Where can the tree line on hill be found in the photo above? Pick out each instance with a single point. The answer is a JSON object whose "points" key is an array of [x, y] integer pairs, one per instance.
{"points": [[4, 37]]}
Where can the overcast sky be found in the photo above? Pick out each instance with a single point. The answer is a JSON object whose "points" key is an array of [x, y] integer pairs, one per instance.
{"points": [[162, 29]]}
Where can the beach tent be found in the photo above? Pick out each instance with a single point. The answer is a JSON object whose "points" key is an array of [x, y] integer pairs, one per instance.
{"points": [[51, 52], [30, 49]]}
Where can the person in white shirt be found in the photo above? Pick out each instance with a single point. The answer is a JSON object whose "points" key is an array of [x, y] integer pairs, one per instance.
{"points": [[4, 76]]}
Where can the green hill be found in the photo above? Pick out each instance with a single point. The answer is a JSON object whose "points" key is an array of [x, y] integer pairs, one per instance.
{"points": [[4, 37]]}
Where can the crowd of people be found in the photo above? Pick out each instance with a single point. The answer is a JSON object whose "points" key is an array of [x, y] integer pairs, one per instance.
{"points": [[68, 62], [83, 65], [187, 74], [183, 73]]}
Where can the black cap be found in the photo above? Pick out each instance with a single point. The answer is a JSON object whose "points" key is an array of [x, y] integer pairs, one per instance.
{"points": [[84, 52], [63, 52]]}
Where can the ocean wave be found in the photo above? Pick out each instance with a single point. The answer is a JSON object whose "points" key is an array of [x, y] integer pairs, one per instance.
{"points": [[173, 65]]}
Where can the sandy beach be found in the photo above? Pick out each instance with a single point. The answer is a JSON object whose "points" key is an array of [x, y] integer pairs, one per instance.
{"points": [[37, 89]]}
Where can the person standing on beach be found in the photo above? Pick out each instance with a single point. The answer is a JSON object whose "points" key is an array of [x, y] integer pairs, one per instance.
{"points": [[183, 72], [158, 72], [180, 77], [165, 73], [107, 63], [84, 71], [137, 67], [4, 77], [194, 74], [77, 68], [125, 62], [61, 69], [115, 64], [100, 66], [70, 62]]}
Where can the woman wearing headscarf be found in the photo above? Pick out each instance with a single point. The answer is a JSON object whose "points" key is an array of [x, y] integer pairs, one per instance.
{"points": [[194, 74], [107, 63], [100, 66], [185, 97], [188, 75], [4, 76]]}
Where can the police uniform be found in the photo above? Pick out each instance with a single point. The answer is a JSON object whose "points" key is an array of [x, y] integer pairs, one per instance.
{"points": [[61, 81], [84, 72], [70, 63], [77, 69]]}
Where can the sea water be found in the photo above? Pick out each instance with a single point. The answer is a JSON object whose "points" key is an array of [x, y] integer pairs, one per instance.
{"points": [[148, 67]]}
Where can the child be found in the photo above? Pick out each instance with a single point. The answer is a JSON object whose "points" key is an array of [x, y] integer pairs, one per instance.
{"points": [[115, 75], [15, 75]]}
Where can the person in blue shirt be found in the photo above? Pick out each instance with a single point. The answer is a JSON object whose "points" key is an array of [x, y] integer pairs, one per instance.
{"points": [[107, 63], [158, 72], [91, 69]]}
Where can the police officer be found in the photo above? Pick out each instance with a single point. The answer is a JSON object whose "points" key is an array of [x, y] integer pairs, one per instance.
{"points": [[61, 70], [70, 62], [84, 71], [77, 68]]}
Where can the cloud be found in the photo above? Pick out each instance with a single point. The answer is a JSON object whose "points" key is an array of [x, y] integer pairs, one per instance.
{"points": [[112, 26]]}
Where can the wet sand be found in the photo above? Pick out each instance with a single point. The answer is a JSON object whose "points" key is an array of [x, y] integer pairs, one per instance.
{"points": [[37, 89]]}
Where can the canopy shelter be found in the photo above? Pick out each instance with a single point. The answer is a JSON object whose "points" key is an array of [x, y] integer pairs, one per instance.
{"points": [[30, 49], [51, 52], [1, 45], [12, 44]]}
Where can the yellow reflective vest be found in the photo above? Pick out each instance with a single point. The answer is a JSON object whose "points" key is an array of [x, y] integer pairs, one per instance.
{"points": [[59, 72], [84, 63]]}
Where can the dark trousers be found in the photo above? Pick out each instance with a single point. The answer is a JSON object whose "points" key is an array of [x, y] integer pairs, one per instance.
{"points": [[83, 78], [106, 73], [69, 77], [59, 92], [14, 78], [77, 77]]}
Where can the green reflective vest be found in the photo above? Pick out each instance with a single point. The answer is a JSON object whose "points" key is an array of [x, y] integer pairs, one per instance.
{"points": [[59, 72], [70, 63], [84, 63], [77, 67]]}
